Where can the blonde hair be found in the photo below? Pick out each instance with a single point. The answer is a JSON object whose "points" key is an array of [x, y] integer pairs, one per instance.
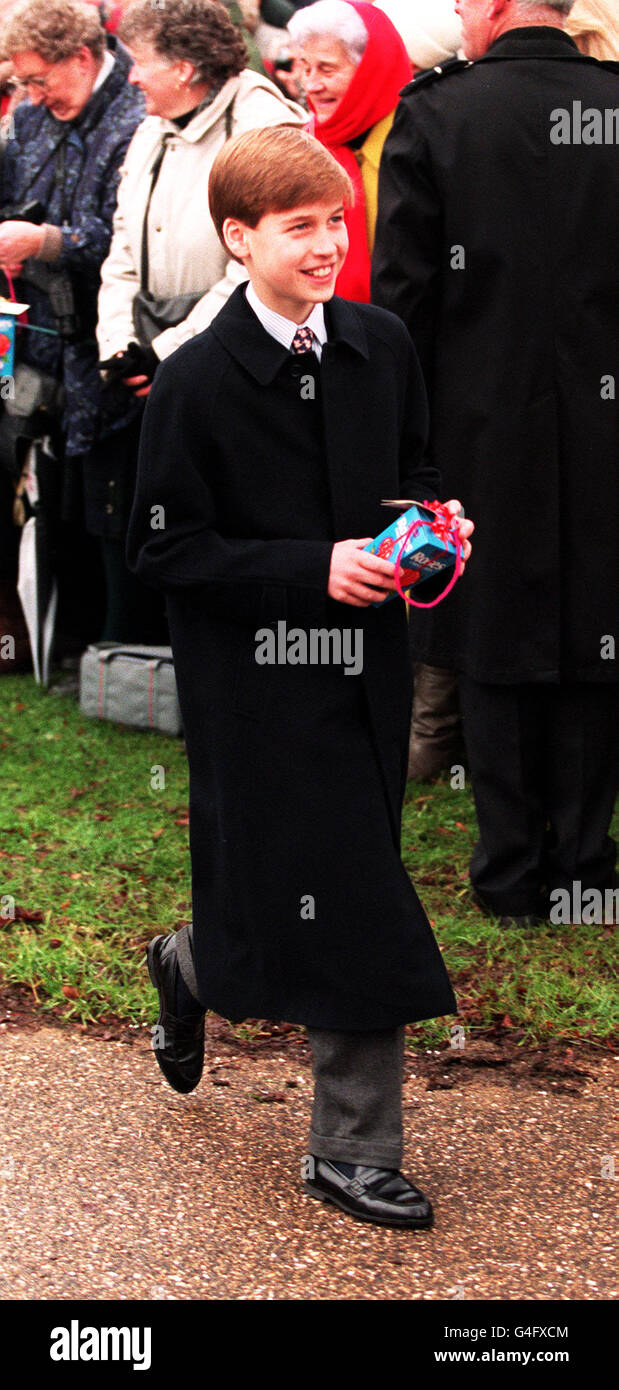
{"points": [[594, 26], [55, 29]]}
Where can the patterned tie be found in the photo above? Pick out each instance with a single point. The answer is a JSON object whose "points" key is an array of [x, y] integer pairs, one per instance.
{"points": [[303, 340]]}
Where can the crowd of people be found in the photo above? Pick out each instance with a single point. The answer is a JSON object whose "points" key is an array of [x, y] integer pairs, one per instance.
{"points": [[99, 70], [142, 258], [113, 115]]}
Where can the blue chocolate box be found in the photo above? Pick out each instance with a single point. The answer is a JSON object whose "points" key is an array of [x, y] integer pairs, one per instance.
{"points": [[7, 344], [426, 553]]}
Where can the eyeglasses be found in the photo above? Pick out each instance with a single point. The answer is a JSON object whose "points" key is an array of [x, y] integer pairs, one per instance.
{"points": [[39, 83]]}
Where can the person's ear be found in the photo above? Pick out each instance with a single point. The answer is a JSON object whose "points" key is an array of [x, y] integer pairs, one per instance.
{"points": [[498, 7], [185, 72], [86, 59], [235, 236]]}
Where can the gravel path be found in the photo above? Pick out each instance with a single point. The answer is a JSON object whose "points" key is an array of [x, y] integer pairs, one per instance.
{"points": [[113, 1186]]}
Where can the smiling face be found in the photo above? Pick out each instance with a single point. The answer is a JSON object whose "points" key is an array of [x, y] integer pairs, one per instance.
{"points": [[326, 70], [63, 87], [293, 258]]}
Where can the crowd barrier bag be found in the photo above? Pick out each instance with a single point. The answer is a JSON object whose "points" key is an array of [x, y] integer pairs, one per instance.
{"points": [[130, 685]]}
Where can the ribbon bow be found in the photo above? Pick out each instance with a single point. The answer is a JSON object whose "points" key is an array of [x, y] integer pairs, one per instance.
{"points": [[444, 527]]}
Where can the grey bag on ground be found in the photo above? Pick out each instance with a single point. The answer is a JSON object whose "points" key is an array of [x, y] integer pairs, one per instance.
{"points": [[130, 685]]}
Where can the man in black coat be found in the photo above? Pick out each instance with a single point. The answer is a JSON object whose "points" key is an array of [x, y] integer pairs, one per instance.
{"points": [[268, 442], [497, 246]]}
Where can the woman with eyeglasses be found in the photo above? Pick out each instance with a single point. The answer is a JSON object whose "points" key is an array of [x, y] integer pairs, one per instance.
{"points": [[58, 184]]}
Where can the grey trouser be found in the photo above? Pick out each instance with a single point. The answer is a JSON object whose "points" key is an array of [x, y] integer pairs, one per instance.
{"points": [[357, 1113]]}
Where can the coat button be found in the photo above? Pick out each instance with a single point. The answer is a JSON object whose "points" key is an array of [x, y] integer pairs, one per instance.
{"points": [[109, 508]]}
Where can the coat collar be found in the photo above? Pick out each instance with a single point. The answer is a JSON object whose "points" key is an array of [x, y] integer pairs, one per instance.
{"points": [[241, 333], [245, 83], [206, 117], [533, 41]]}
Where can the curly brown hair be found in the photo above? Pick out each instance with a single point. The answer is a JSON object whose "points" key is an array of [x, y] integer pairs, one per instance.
{"points": [[200, 31], [55, 29]]}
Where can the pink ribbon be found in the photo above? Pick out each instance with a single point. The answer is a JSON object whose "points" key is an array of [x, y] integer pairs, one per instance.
{"points": [[23, 318], [442, 529]]}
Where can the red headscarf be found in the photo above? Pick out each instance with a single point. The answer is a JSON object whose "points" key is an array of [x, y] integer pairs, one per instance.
{"points": [[373, 92]]}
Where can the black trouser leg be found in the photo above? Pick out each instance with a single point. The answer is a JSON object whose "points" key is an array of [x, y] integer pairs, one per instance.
{"points": [[81, 589], [543, 764], [582, 775], [504, 740], [134, 612]]}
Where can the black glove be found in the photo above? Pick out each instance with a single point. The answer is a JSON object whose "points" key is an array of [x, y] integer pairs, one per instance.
{"points": [[134, 361]]}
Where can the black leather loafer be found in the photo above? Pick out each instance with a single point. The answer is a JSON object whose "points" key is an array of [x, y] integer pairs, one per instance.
{"points": [[372, 1194], [178, 1043]]}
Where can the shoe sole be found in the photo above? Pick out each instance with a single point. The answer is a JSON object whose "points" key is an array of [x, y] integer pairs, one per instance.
{"points": [[422, 1224], [151, 960]]}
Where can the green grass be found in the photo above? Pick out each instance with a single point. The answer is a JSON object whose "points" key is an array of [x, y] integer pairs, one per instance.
{"points": [[96, 860]]}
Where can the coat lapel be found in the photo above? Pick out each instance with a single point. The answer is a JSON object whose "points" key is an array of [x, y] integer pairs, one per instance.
{"points": [[344, 368], [242, 335]]}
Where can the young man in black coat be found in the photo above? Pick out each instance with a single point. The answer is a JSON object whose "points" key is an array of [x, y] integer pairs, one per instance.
{"points": [[268, 443], [496, 244]]}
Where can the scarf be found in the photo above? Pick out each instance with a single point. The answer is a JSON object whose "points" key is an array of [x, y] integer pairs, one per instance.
{"points": [[371, 95]]}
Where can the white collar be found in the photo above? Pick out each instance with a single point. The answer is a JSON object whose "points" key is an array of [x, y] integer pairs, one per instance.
{"points": [[104, 70], [284, 329]]}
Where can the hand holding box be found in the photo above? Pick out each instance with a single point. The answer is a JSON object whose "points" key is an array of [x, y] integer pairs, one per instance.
{"points": [[422, 542]]}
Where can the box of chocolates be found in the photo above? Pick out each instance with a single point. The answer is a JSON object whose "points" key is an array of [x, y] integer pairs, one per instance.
{"points": [[429, 549]]}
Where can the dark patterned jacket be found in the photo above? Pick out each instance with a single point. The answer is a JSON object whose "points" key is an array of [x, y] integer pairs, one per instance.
{"points": [[94, 148]]}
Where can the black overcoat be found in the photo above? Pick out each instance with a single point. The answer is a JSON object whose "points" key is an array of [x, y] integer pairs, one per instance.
{"points": [[302, 909], [497, 247]]}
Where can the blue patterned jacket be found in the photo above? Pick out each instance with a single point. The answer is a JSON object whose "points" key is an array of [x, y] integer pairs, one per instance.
{"points": [[94, 151]]}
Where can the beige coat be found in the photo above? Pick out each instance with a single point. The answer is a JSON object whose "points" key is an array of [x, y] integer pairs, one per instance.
{"points": [[185, 254]]}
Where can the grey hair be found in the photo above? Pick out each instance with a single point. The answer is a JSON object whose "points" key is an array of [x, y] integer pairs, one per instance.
{"points": [[333, 19], [563, 6]]}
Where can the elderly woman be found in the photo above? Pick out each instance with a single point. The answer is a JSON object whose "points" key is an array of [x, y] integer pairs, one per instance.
{"points": [[167, 275], [353, 64], [58, 184], [6, 68]]}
